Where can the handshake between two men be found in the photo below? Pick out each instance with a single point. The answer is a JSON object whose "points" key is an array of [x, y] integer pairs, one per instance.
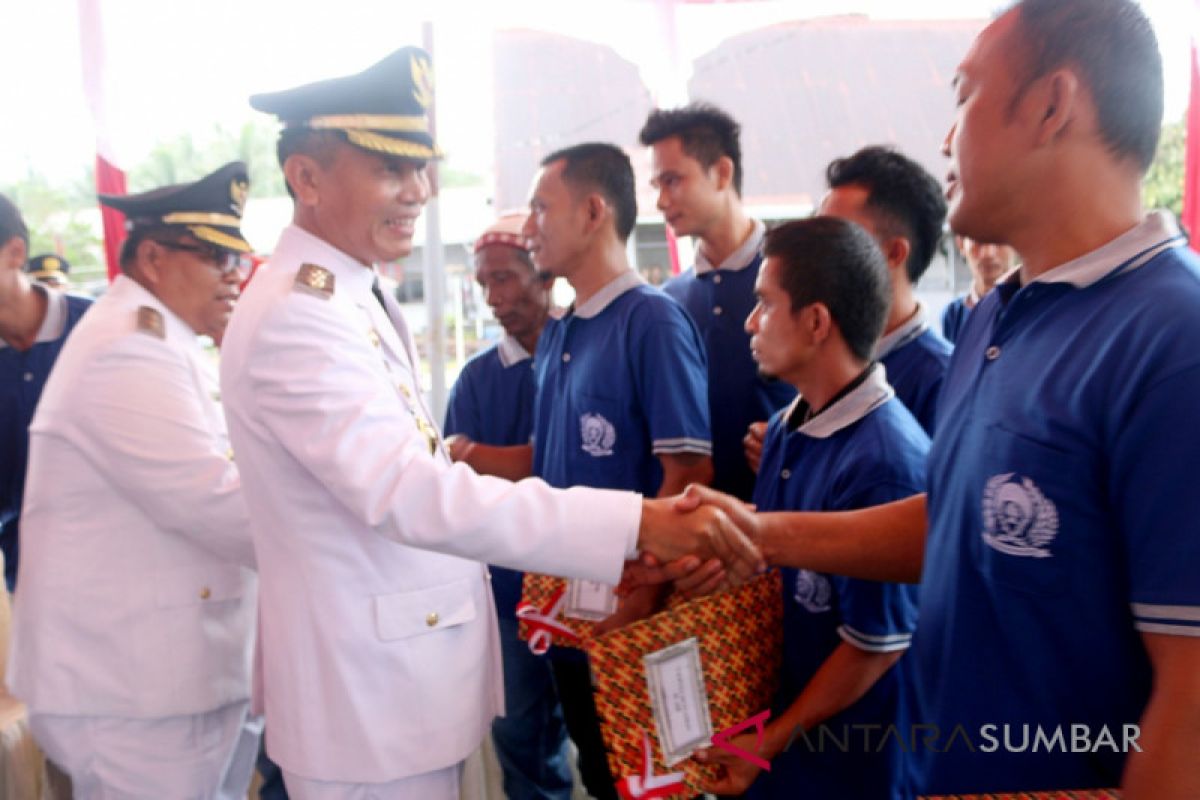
{"points": [[701, 541]]}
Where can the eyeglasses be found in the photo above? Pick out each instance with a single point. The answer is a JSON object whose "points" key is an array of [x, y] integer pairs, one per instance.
{"points": [[225, 261]]}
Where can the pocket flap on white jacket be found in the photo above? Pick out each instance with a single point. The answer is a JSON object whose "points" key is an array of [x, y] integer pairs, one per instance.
{"points": [[404, 614], [193, 585]]}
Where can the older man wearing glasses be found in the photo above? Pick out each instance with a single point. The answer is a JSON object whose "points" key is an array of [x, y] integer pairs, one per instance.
{"points": [[135, 619]]}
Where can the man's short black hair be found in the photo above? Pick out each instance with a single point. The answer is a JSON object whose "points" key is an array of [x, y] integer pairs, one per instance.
{"points": [[603, 168], [11, 223], [705, 132], [904, 199], [835, 262], [1113, 46]]}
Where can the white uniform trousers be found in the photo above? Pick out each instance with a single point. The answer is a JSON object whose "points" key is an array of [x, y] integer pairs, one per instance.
{"points": [[208, 756], [442, 784]]}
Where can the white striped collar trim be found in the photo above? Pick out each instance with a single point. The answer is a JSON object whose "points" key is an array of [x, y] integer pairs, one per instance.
{"points": [[511, 352], [611, 291], [55, 320], [865, 398], [739, 259], [916, 325], [1156, 233]]}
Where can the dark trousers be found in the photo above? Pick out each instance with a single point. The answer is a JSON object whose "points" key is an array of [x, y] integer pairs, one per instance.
{"points": [[573, 678]]}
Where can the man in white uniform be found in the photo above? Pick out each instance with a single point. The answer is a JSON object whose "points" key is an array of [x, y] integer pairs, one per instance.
{"points": [[379, 639], [134, 624]]}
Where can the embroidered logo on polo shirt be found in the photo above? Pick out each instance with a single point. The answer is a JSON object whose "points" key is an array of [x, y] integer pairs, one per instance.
{"points": [[1017, 518], [813, 591], [598, 435]]}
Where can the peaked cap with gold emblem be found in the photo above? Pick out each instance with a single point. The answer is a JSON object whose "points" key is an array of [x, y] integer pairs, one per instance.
{"points": [[384, 108], [48, 267], [209, 209]]}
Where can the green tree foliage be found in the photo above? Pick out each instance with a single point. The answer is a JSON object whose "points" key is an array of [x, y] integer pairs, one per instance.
{"points": [[62, 219], [191, 156], [1163, 186]]}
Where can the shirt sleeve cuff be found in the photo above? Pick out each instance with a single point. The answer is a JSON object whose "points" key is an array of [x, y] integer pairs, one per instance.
{"points": [[875, 643], [1173, 620]]}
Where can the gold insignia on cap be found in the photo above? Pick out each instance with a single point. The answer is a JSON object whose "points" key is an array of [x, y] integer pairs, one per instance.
{"points": [[422, 76], [238, 191], [150, 321], [315, 280], [51, 263]]}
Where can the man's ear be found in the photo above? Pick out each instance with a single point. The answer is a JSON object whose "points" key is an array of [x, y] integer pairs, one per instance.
{"points": [[598, 211], [723, 167], [1057, 100], [304, 174], [149, 261], [819, 323], [896, 252]]}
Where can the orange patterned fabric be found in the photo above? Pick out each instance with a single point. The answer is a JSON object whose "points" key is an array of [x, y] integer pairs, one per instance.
{"points": [[539, 591], [1089, 794], [740, 636]]}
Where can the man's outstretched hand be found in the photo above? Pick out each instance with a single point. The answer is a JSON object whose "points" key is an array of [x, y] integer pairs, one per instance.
{"points": [[699, 523]]}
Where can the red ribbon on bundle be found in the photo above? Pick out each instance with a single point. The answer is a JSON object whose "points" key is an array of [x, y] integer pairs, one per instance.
{"points": [[648, 785], [543, 623]]}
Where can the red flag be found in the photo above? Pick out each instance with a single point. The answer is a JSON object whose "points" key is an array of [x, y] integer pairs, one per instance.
{"points": [[673, 250], [1191, 170], [110, 179]]}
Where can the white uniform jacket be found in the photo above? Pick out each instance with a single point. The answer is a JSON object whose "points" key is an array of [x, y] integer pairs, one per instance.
{"points": [[378, 631], [137, 590]]}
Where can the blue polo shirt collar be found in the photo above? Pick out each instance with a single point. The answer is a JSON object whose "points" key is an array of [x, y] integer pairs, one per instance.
{"points": [[865, 398], [916, 325], [611, 291], [511, 352], [739, 259], [1156, 233]]}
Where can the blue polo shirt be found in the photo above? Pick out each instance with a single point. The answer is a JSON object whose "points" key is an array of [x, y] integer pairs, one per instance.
{"points": [[492, 403], [621, 380], [1062, 515], [953, 317], [22, 377], [916, 359], [719, 299], [863, 450]]}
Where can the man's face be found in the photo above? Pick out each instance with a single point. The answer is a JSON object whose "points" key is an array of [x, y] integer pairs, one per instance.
{"points": [[557, 224], [778, 341], [988, 262], [512, 289], [983, 185], [199, 283], [368, 203], [688, 194]]}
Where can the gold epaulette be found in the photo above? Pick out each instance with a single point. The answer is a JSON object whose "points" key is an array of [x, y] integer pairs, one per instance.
{"points": [[315, 280], [150, 321]]}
